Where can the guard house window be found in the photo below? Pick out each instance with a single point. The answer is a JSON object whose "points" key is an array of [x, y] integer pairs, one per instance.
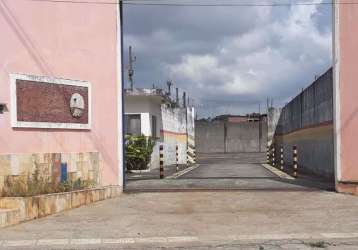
{"points": [[132, 125], [154, 126]]}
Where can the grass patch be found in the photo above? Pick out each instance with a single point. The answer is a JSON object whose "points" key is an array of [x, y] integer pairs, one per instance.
{"points": [[318, 244]]}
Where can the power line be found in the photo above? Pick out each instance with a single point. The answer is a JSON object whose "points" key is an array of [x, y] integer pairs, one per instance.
{"points": [[173, 4], [145, 3]]}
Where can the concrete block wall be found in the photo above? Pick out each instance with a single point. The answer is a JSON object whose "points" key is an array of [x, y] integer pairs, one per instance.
{"points": [[246, 137], [307, 122], [210, 137], [86, 166], [226, 137]]}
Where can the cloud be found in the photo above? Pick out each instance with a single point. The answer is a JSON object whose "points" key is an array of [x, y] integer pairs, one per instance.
{"points": [[230, 59]]}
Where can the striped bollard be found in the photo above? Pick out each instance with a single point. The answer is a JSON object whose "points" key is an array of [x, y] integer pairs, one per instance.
{"points": [[281, 156], [295, 161], [194, 155], [187, 157], [268, 154], [273, 155], [177, 157], [161, 161]]}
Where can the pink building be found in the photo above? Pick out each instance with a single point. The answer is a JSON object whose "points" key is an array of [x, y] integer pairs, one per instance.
{"points": [[346, 96], [60, 90]]}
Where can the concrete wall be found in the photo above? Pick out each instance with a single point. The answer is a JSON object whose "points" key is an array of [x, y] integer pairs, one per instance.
{"points": [[210, 137], [72, 41], [246, 137], [174, 133], [346, 96], [273, 115], [307, 122], [226, 137]]}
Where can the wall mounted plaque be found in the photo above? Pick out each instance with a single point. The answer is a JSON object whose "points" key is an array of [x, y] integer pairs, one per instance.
{"points": [[47, 102]]}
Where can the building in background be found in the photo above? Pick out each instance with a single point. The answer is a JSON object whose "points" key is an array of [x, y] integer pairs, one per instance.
{"points": [[252, 117], [151, 112], [60, 92]]}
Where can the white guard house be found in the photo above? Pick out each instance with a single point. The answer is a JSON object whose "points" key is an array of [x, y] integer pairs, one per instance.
{"points": [[151, 112]]}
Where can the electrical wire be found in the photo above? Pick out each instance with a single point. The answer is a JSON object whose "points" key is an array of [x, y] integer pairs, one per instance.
{"points": [[176, 4]]}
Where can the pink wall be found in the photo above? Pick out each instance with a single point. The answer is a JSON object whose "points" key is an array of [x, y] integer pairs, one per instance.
{"points": [[346, 86], [74, 41]]}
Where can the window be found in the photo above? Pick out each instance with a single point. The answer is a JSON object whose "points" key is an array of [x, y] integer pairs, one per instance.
{"points": [[154, 126], [132, 124]]}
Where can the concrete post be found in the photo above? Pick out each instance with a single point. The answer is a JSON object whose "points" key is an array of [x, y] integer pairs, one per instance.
{"points": [[161, 161], [295, 161]]}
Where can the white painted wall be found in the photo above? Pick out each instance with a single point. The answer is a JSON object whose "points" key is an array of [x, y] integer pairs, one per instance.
{"points": [[147, 107], [173, 121]]}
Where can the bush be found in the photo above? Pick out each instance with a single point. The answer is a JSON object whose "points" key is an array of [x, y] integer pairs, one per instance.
{"points": [[138, 151], [37, 184]]}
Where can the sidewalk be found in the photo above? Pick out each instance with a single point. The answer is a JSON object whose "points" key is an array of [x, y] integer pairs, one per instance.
{"points": [[197, 220]]}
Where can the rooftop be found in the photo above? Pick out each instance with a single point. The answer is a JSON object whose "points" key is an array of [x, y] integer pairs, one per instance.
{"points": [[156, 93]]}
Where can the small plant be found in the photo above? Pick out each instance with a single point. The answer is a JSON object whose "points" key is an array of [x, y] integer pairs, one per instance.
{"points": [[319, 244], [138, 151]]}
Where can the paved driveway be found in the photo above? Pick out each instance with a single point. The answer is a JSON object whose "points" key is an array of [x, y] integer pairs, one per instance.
{"points": [[228, 166], [241, 171]]}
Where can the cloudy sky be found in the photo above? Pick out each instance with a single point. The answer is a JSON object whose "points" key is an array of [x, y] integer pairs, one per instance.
{"points": [[229, 59]]}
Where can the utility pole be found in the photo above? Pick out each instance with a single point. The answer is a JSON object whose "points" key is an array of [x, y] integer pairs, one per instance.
{"points": [[130, 69], [260, 108]]}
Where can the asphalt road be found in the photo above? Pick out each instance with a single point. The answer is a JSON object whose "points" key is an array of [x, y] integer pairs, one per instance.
{"points": [[229, 166], [240, 171]]}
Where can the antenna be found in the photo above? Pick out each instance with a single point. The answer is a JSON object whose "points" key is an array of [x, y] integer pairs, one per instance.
{"points": [[130, 69], [177, 96], [184, 100], [169, 84]]}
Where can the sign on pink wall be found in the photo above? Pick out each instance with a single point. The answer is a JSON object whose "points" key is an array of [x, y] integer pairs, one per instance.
{"points": [[43, 102]]}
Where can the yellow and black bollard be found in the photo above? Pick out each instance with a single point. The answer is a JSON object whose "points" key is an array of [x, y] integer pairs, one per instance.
{"points": [[177, 157], [161, 161], [273, 155], [187, 157], [281, 156], [295, 161], [194, 155]]}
